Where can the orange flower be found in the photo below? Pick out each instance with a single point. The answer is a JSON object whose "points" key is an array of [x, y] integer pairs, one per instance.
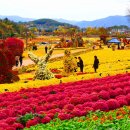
{"points": [[119, 117], [95, 118]]}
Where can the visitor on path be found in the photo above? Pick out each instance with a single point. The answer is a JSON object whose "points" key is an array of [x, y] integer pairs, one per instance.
{"points": [[16, 60], [46, 48], [95, 64], [76, 64], [21, 60], [80, 64]]}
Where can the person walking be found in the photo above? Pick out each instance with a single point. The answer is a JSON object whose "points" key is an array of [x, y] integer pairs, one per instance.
{"points": [[76, 64], [21, 60], [46, 48], [95, 64], [16, 61], [80, 64]]}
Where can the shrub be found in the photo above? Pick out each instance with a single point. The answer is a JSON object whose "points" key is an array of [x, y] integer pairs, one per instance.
{"points": [[15, 45]]}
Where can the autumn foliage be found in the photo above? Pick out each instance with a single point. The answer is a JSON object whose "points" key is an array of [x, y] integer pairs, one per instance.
{"points": [[8, 50], [15, 45]]}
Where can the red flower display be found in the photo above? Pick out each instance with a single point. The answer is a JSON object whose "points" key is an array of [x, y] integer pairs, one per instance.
{"points": [[64, 101], [15, 45]]}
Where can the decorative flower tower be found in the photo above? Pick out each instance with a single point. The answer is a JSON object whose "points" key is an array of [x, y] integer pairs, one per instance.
{"points": [[69, 63], [42, 72]]}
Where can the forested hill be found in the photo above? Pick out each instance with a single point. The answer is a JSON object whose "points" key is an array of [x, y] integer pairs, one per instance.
{"points": [[48, 24]]}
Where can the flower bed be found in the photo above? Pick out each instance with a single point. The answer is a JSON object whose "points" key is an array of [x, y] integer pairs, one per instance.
{"points": [[117, 119], [66, 101]]}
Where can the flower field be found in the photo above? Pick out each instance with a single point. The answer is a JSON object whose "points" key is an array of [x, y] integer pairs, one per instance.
{"points": [[111, 63], [85, 101], [29, 107], [116, 119]]}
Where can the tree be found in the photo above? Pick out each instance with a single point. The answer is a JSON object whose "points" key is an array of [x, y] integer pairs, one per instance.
{"points": [[102, 31], [15, 45], [7, 60]]}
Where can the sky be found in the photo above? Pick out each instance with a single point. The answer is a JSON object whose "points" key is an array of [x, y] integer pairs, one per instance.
{"points": [[66, 9]]}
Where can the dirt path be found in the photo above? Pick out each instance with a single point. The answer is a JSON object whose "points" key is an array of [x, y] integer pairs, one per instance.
{"points": [[29, 61]]}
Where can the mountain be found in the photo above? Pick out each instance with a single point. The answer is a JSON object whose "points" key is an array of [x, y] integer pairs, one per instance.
{"points": [[104, 22], [116, 20], [16, 18], [48, 24], [66, 21]]}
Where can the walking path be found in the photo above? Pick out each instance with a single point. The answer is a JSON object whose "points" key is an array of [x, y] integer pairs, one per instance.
{"points": [[30, 62]]}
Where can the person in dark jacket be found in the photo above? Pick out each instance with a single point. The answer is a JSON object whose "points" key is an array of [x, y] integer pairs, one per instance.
{"points": [[80, 64], [95, 64], [21, 60], [46, 48]]}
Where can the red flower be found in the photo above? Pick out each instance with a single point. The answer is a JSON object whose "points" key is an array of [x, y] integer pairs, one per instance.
{"points": [[9, 128], [119, 91], [128, 98], [77, 112], [88, 104], [87, 109], [113, 104], [94, 96], [10, 120], [51, 115], [104, 95], [122, 102], [46, 119], [18, 126], [100, 106], [31, 122], [127, 90], [63, 116], [69, 106], [113, 93], [58, 76]]}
